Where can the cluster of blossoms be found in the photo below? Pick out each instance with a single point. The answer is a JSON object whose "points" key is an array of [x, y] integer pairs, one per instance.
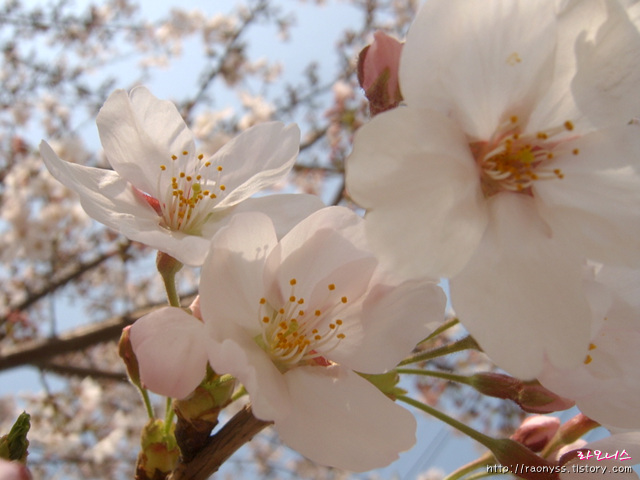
{"points": [[504, 155]]}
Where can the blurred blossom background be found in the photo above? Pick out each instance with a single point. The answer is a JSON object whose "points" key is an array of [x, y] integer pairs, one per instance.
{"points": [[68, 285]]}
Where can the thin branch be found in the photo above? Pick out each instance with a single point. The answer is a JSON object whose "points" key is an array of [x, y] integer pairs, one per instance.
{"points": [[68, 370], [38, 352], [80, 269]]}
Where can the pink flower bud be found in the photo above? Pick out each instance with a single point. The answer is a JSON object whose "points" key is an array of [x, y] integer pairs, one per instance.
{"points": [[531, 396], [13, 471], [378, 66], [536, 431], [125, 350]]}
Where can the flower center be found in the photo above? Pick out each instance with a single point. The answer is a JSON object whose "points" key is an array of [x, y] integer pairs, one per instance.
{"points": [[293, 335], [513, 161], [191, 196]]}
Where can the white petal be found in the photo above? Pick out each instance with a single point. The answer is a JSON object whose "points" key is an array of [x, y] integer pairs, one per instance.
{"points": [[285, 210], [339, 419], [595, 208], [110, 199], [170, 346], [608, 70], [231, 284], [257, 158], [607, 388], [241, 357], [478, 60], [521, 295], [316, 253], [139, 133], [414, 173], [394, 320]]}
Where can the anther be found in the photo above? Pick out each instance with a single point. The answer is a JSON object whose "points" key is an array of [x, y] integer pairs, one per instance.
{"points": [[332, 286], [568, 125]]}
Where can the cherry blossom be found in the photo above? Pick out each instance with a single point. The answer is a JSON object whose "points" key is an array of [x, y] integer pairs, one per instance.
{"points": [[513, 160], [294, 321], [162, 192]]}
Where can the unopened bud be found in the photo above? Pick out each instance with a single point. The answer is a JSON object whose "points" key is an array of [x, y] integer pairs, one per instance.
{"points": [[159, 454], [378, 66], [167, 265], [530, 396], [14, 445], [13, 471], [536, 431], [125, 350]]}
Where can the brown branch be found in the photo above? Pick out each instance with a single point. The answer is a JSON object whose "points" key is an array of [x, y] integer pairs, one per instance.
{"points": [[33, 297], [235, 433], [68, 370], [38, 352]]}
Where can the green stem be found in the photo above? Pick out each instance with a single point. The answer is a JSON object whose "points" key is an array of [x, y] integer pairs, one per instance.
{"points": [[484, 460], [172, 292], [168, 267], [445, 326], [147, 402], [470, 432], [168, 416], [466, 343], [431, 373]]}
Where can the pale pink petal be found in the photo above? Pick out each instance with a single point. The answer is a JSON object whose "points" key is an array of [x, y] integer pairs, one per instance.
{"points": [[606, 388], [596, 204], [521, 295], [394, 320], [477, 60], [414, 172], [171, 348], [231, 284], [139, 133], [285, 210], [241, 357], [324, 255], [607, 70], [340, 419], [257, 158]]}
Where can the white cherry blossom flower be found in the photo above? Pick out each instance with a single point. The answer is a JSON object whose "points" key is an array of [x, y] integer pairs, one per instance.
{"points": [[294, 321], [513, 160], [163, 193]]}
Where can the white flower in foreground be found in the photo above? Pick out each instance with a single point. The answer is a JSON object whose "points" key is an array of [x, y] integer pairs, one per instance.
{"points": [[606, 385], [512, 161], [163, 193], [293, 321]]}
